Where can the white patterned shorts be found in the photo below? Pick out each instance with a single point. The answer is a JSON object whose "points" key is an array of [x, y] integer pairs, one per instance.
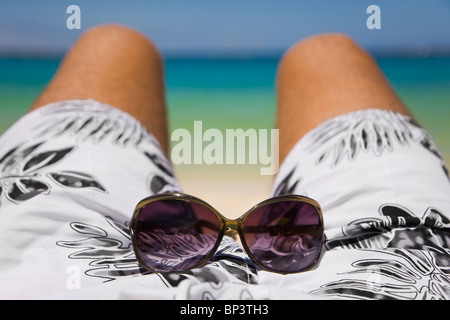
{"points": [[72, 172]]}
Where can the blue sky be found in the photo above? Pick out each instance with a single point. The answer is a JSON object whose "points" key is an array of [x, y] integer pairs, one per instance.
{"points": [[229, 26]]}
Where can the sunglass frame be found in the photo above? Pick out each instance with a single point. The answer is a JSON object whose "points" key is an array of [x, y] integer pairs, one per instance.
{"points": [[225, 224]]}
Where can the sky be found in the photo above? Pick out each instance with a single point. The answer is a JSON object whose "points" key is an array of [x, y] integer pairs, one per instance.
{"points": [[229, 27]]}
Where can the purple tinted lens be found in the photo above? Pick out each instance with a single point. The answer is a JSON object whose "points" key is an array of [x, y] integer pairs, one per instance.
{"points": [[285, 236], [175, 235]]}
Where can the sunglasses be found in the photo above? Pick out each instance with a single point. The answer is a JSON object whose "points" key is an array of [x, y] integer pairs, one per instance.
{"points": [[177, 232]]}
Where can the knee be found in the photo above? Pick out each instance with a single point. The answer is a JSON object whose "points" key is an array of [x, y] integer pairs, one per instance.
{"points": [[322, 49], [117, 39]]}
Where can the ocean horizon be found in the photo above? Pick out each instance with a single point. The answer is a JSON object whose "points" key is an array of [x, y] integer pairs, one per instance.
{"points": [[239, 92]]}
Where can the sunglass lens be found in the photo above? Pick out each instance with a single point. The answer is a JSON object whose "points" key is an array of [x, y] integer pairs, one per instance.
{"points": [[175, 235], [285, 236]]}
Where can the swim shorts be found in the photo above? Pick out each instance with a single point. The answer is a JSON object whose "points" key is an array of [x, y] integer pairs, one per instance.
{"points": [[72, 172]]}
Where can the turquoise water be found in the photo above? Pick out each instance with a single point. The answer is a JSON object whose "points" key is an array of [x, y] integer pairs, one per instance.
{"points": [[240, 93]]}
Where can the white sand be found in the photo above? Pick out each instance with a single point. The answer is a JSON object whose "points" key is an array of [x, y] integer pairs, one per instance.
{"points": [[230, 189]]}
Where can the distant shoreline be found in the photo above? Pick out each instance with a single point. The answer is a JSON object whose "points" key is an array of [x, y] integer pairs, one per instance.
{"points": [[220, 54]]}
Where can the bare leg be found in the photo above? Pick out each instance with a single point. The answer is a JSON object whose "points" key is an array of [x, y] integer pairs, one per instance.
{"points": [[118, 66], [322, 77]]}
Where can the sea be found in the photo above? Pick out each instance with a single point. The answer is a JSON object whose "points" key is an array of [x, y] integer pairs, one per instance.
{"points": [[240, 92]]}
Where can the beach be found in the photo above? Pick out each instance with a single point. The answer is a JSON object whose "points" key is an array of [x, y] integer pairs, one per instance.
{"points": [[238, 93], [231, 190]]}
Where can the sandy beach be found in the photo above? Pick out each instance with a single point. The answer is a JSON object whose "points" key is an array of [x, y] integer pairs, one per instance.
{"points": [[231, 189]]}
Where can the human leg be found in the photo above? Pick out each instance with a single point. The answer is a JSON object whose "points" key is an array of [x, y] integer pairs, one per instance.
{"points": [[118, 66], [347, 141], [325, 76], [73, 169]]}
